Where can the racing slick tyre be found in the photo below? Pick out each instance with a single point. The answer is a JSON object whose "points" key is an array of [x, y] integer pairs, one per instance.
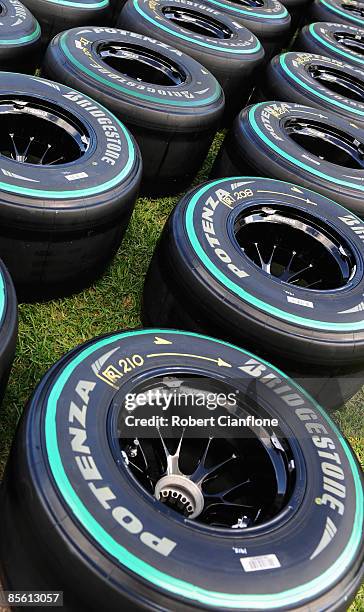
{"points": [[316, 80], [336, 40], [116, 6], [296, 9], [57, 15], [268, 265], [350, 12], [154, 517], [226, 48], [70, 173], [300, 144], [19, 39], [172, 104], [8, 326]]}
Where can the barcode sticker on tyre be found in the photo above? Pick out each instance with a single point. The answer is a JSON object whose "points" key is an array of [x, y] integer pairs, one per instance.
{"points": [[256, 564]]}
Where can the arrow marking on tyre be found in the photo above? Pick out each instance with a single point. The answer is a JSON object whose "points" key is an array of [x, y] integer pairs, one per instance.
{"points": [[53, 85], [97, 365], [220, 362], [158, 340], [290, 195], [296, 189], [358, 308], [310, 113], [329, 533], [18, 176], [236, 185], [314, 161]]}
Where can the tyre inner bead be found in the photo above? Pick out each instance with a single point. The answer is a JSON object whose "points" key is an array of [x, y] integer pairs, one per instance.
{"points": [[338, 81], [326, 142], [350, 41], [141, 64], [40, 134]]}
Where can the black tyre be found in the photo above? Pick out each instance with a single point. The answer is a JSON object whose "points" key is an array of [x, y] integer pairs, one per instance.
{"points": [[57, 15], [226, 48], [116, 6], [339, 41], [350, 12], [70, 173], [269, 266], [20, 38], [300, 144], [316, 80], [8, 326], [172, 104], [81, 498], [296, 9]]}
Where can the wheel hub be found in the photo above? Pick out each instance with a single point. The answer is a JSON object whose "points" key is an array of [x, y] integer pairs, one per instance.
{"points": [[181, 494]]}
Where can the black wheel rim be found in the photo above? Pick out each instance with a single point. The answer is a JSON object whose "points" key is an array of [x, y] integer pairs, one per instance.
{"points": [[294, 248], [197, 22], [141, 64], [352, 42], [326, 142], [357, 9], [40, 133], [344, 84], [224, 483]]}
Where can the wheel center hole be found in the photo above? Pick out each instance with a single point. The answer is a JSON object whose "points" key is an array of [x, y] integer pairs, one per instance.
{"points": [[295, 249], [197, 22], [338, 81], [326, 142], [250, 3], [357, 9], [41, 134], [141, 64], [350, 41], [226, 481]]}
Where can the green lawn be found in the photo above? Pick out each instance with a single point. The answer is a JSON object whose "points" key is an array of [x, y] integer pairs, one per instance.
{"points": [[47, 331]]}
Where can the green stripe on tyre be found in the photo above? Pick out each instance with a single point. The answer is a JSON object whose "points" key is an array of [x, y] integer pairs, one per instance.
{"points": [[332, 47], [83, 5], [23, 39], [342, 13], [160, 579], [238, 290], [292, 159], [314, 91], [193, 40], [136, 94], [225, 6]]}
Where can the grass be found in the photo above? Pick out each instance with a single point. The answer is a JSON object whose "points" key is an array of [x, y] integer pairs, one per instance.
{"points": [[47, 331]]}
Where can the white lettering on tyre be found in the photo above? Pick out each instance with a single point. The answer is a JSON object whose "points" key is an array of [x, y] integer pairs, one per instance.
{"points": [[88, 469]]}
